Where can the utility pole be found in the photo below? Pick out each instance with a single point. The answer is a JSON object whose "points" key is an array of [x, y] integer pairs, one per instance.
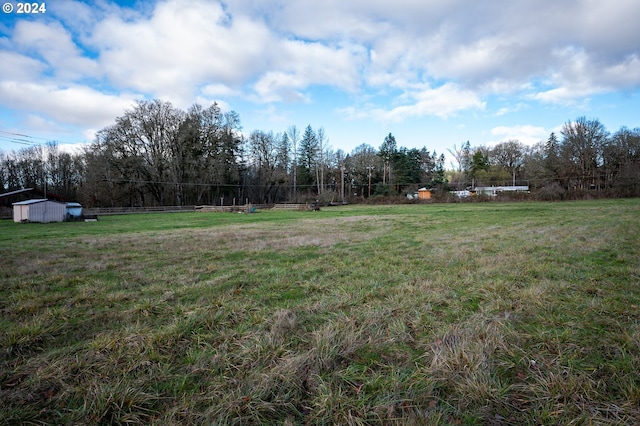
{"points": [[384, 172], [293, 135], [369, 168], [44, 180], [342, 170]]}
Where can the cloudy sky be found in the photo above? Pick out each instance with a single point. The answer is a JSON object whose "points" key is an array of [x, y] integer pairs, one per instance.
{"points": [[433, 72]]}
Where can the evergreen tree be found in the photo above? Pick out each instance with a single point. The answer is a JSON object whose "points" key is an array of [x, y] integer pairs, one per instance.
{"points": [[307, 157], [386, 151]]}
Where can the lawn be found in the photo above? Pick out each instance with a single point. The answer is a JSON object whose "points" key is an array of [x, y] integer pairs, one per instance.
{"points": [[480, 313]]}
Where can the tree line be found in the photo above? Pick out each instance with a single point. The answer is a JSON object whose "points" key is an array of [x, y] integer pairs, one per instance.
{"points": [[584, 160], [156, 154]]}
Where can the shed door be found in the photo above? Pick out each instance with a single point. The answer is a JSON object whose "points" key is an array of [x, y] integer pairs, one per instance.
{"points": [[20, 213]]}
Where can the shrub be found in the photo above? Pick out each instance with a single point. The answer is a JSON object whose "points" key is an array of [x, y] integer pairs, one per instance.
{"points": [[551, 192]]}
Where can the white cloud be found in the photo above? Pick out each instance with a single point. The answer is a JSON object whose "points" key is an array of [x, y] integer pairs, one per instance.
{"points": [[279, 86], [497, 47], [55, 45], [577, 81], [502, 111], [182, 45], [76, 148], [444, 101], [305, 64], [218, 90], [16, 66], [33, 121], [510, 109], [272, 115], [526, 134], [625, 73], [75, 105]]}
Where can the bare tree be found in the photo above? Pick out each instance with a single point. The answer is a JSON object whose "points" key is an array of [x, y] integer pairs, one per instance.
{"points": [[320, 164], [510, 156], [294, 137], [582, 145], [462, 156], [158, 150], [363, 165], [263, 157]]}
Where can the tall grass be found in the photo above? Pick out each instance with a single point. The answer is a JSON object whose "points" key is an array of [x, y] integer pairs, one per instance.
{"points": [[523, 313]]}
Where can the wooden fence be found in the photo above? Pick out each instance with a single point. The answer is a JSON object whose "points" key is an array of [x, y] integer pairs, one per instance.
{"points": [[106, 211], [246, 207], [290, 206], [7, 213]]}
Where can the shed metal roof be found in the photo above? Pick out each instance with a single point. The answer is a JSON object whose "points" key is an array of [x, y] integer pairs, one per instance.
{"points": [[19, 191], [29, 202], [36, 192]]}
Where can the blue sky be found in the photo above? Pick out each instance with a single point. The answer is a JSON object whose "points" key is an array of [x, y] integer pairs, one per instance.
{"points": [[435, 73]]}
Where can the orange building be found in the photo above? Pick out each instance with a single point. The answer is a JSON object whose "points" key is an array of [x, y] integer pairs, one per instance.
{"points": [[424, 194]]}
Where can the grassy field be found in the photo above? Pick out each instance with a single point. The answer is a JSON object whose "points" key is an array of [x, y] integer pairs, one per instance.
{"points": [[521, 313]]}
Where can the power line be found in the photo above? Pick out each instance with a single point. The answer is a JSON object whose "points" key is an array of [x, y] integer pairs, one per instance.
{"points": [[22, 139], [196, 184], [16, 140]]}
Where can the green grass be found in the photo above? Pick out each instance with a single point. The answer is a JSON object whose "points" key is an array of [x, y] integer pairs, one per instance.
{"points": [[522, 313]]}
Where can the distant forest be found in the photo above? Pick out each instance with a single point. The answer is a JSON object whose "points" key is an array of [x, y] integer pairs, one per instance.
{"points": [[156, 154]]}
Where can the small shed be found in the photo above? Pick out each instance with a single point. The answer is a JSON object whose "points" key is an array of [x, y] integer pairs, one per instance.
{"points": [[43, 211], [74, 211], [424, 194]]}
